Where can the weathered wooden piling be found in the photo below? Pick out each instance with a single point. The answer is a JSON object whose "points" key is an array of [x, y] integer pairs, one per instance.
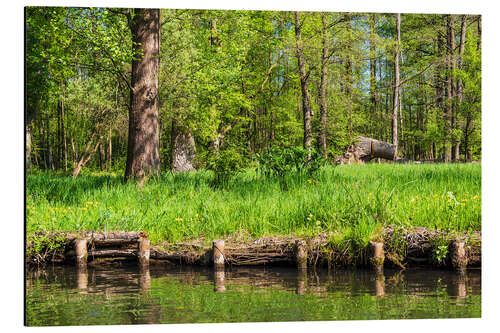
{"points": [[81, 253], [218, 253], [143, 251], [458, 254], [377, 256], [301, 254]]}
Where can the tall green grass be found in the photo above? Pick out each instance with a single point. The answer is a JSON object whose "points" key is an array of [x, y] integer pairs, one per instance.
{"points": [[353, 201]]}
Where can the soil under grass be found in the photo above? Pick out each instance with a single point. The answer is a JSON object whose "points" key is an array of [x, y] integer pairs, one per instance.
{"points": [[350, 202]]}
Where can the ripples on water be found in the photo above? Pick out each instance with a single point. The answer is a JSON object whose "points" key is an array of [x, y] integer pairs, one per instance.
{"points": [[126, 295]]}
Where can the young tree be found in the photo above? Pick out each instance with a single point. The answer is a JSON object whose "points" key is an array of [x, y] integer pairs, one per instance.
{"points": [[303, 76], [323, 83], [396, 84]]}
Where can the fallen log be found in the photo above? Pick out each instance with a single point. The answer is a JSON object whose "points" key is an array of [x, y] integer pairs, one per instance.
{"points": [[365, 149]]}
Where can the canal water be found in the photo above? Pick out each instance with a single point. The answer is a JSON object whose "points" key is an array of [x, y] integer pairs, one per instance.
{"points": [[127, 295]]}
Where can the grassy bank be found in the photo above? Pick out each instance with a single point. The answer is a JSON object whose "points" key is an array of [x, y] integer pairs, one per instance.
{"points": [[353, 201]]}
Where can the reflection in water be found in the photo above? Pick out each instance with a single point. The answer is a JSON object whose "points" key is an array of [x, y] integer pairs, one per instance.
{"points": [[219, 280], [82, 279], [129, 295], [301, 281], [380, 285], [144, 279]]}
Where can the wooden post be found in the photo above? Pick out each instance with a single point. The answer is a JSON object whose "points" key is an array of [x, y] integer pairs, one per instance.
{"points": [[301, 254], [81, 252], [143, 251], [377, 256], [458, 255], [218, 253], [219, 280]]}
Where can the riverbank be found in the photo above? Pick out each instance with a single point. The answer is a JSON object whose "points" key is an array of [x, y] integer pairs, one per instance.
{"points": [[354, 203], [397, 248]]}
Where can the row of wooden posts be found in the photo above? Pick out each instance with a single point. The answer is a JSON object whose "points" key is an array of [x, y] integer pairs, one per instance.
{"points": [[376, 253]]}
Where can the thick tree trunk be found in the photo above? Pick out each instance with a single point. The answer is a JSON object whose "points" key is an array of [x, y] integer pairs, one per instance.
{"points": [[322, 86], [306, 104], [143, 158], [396, 85], [183, 149], [365, 149]]}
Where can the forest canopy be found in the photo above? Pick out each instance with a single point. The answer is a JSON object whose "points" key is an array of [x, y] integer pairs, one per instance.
{"points": [[233, 84]]}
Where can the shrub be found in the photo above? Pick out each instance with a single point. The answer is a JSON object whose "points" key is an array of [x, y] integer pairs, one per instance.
{"points": [[281, 161]]}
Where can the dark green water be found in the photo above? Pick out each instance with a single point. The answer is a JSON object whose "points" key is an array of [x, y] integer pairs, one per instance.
{"points": [[99, 296]]}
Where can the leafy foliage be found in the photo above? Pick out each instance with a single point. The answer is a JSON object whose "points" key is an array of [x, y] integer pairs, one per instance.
{"points": [[281, 161]]}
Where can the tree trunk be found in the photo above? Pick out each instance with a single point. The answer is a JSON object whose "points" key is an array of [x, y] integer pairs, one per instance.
{"points": [[48, 151], [65, 143], [183, 149], [143, 157], [373, 71], [306, 105], [323, 83], [86, 155], [460, 85], [365, 149], [449, 89], [110, 151], [396, 85], [28, 146], [102, 157], [349, 78]]}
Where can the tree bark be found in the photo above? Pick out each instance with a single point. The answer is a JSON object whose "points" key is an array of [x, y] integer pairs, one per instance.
{"points": [[396, 84], [110, 150], [143, 157], [373, 71], [183, 149], [306, 104], [64, 137], [323, 83], [450, 47], [86, 155], [28, 147], [349, 78], [460, 86], [365, 149]]}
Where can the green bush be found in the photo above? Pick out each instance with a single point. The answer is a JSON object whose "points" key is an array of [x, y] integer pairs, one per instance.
{"points": [[281, 161], [225, 163]]}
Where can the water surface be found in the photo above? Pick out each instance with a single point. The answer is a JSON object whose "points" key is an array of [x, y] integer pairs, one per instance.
{"points": [[127, 295]]}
